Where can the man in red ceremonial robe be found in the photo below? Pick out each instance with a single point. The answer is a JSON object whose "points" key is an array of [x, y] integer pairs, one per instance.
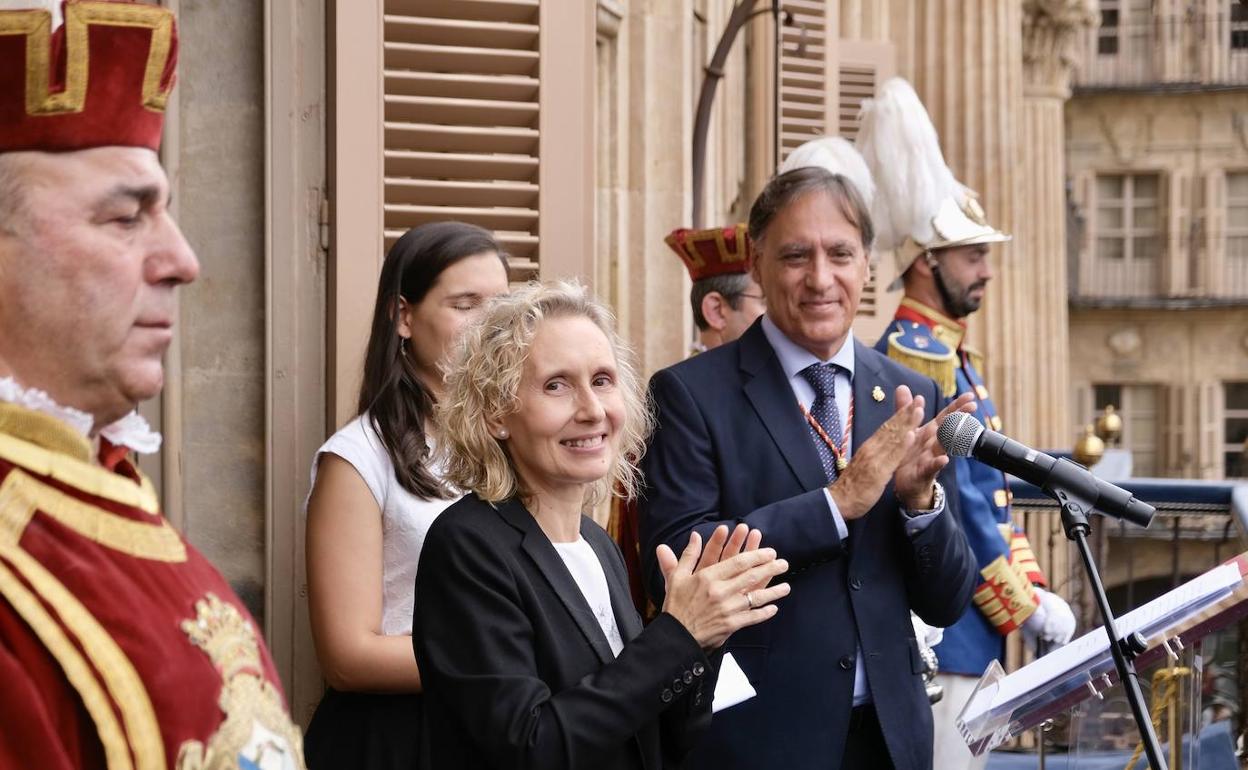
{"points": [[120, 645]]}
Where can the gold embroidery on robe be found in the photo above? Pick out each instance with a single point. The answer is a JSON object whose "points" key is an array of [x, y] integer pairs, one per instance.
{"points": [[257, 731]]}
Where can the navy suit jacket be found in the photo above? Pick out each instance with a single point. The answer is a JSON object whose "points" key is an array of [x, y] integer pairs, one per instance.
{"points": [[732, 446]]}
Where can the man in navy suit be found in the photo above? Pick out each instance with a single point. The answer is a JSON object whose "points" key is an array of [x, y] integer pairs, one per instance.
{"points": [[762, 430]]}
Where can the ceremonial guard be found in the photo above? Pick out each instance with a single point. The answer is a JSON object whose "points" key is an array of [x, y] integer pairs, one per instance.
{"points": [[941, 239], [725, 301], [120, 645]]}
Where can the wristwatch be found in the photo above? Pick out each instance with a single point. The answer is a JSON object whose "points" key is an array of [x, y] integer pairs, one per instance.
{"points": [[938, 501]]}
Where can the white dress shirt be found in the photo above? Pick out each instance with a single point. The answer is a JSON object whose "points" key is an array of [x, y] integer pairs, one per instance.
{"points": [[793, 359]]}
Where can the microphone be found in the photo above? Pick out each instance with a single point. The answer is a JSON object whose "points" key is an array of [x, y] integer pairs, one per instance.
{"points": [[963, 436]]}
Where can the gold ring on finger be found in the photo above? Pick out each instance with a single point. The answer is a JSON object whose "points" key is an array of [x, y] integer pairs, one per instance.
{"points": [[749, 599]]}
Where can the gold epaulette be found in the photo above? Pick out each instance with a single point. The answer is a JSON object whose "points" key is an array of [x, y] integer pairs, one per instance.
{"points": [[977, 359], [1005, 597], [941, 364]]}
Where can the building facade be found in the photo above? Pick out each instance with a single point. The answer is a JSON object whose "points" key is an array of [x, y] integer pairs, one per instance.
{"points": [[1157, 154], [566, 127]]}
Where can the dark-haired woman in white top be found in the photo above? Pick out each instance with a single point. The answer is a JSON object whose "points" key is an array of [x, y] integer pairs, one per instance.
{"points": [[376, 490]]}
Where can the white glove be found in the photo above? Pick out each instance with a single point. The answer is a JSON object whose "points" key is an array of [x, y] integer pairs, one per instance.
{"points": [[1052, 622], [925, 634]]}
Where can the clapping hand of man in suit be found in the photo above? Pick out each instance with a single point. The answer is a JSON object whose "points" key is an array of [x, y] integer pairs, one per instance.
{"points": [[718, 589], [902, 451]]}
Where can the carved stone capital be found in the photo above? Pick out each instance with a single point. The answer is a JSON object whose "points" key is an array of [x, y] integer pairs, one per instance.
{"points": [[1051, 31], [610, 13]]}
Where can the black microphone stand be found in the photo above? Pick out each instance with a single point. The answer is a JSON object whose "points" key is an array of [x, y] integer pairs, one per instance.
{"points": [[1075, 509]]}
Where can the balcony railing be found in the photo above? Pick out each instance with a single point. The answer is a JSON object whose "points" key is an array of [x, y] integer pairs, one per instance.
{"points": [[1100, 279], [1165, 52], [1235, 276]]}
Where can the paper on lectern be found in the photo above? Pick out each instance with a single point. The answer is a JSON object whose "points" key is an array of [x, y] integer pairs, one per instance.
{"points": [[1080, 655]]}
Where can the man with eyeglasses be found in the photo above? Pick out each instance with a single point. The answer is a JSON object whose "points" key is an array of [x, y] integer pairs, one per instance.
{"points": [[725, 298]]}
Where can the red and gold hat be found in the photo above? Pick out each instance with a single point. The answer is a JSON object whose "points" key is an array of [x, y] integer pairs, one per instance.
{"points": [[102, 78], [713, 251]]}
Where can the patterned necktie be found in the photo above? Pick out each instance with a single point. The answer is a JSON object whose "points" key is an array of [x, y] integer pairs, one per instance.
{"points": [[822, 377]]}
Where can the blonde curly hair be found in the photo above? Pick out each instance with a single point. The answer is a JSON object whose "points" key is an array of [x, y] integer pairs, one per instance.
{"points": [[484, 378]]}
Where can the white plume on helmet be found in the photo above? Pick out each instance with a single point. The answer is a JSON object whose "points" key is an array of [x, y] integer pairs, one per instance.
{"points": [[918, 205], [837, 155]]}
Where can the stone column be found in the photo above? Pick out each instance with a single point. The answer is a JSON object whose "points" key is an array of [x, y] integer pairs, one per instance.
{"points": [[965, 60], [660, 107], [1050, 32]]}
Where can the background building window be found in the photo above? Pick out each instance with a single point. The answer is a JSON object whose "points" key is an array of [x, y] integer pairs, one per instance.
{"points": [[1138, 406], [1237, 215], [1235, 429], [1107, 35], [1128, 221], [1239, 25]]}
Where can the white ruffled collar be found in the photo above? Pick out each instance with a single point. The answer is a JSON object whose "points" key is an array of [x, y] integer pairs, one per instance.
{"points": [[131, 431]]}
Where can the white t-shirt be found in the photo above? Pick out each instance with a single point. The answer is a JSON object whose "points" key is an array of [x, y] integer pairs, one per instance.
{"points": [[587, 572], [405, 518]]}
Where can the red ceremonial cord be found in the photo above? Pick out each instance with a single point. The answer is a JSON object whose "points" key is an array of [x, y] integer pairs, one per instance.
{"points": [[838, 453]]}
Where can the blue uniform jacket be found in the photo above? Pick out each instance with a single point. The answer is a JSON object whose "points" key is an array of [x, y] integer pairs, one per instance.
{"points": [[930, 343]]}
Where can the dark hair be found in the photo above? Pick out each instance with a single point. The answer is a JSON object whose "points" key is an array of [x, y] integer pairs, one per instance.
{"points": [[391, 392], [730, 286], [791, 185]]}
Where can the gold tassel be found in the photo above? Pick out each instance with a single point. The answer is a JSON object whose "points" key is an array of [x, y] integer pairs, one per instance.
{"points": [[943, 368]]}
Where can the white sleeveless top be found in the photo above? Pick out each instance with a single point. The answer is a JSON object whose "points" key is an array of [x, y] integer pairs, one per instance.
{"points": [[405, 518]]}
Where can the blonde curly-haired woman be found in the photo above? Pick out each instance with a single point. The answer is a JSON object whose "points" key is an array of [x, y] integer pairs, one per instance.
{"points": [[531, 652]]}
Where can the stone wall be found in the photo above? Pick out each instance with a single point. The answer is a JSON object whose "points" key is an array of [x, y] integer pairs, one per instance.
{"points": [[219, 192]]}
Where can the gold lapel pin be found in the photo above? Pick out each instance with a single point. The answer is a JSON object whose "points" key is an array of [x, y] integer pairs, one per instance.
{"points": [[877, 393]]}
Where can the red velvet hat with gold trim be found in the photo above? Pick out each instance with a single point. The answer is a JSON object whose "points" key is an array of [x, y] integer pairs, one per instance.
{"points": [[713, 251], [100, 78]]}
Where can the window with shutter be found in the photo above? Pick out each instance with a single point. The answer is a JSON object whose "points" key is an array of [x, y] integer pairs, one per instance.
{"points": [[804, 78], [1084, 229], [856, 83], [1235, 222], [1235, 430], [1239, 27], [1120, 50], [861, 67], [1107, 33], [1128, 216], [1139, 405], [461, 130]]}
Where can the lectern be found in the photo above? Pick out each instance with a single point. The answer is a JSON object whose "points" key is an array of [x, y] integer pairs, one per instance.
{"points": [[1075, 688]]}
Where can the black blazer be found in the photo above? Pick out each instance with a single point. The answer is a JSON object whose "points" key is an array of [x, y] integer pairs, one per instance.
{"points": [[517, 673], [732, 445]]}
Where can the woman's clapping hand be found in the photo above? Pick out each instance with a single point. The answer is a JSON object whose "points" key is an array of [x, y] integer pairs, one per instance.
{"points": [[717, 589]]}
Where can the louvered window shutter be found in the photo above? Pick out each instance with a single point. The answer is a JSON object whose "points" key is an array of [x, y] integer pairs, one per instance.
{"points": [[1176, 208], [804, 83], [1211, 283], [1085, 205], [861, 67], [1209, 451], [461, 119]]}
